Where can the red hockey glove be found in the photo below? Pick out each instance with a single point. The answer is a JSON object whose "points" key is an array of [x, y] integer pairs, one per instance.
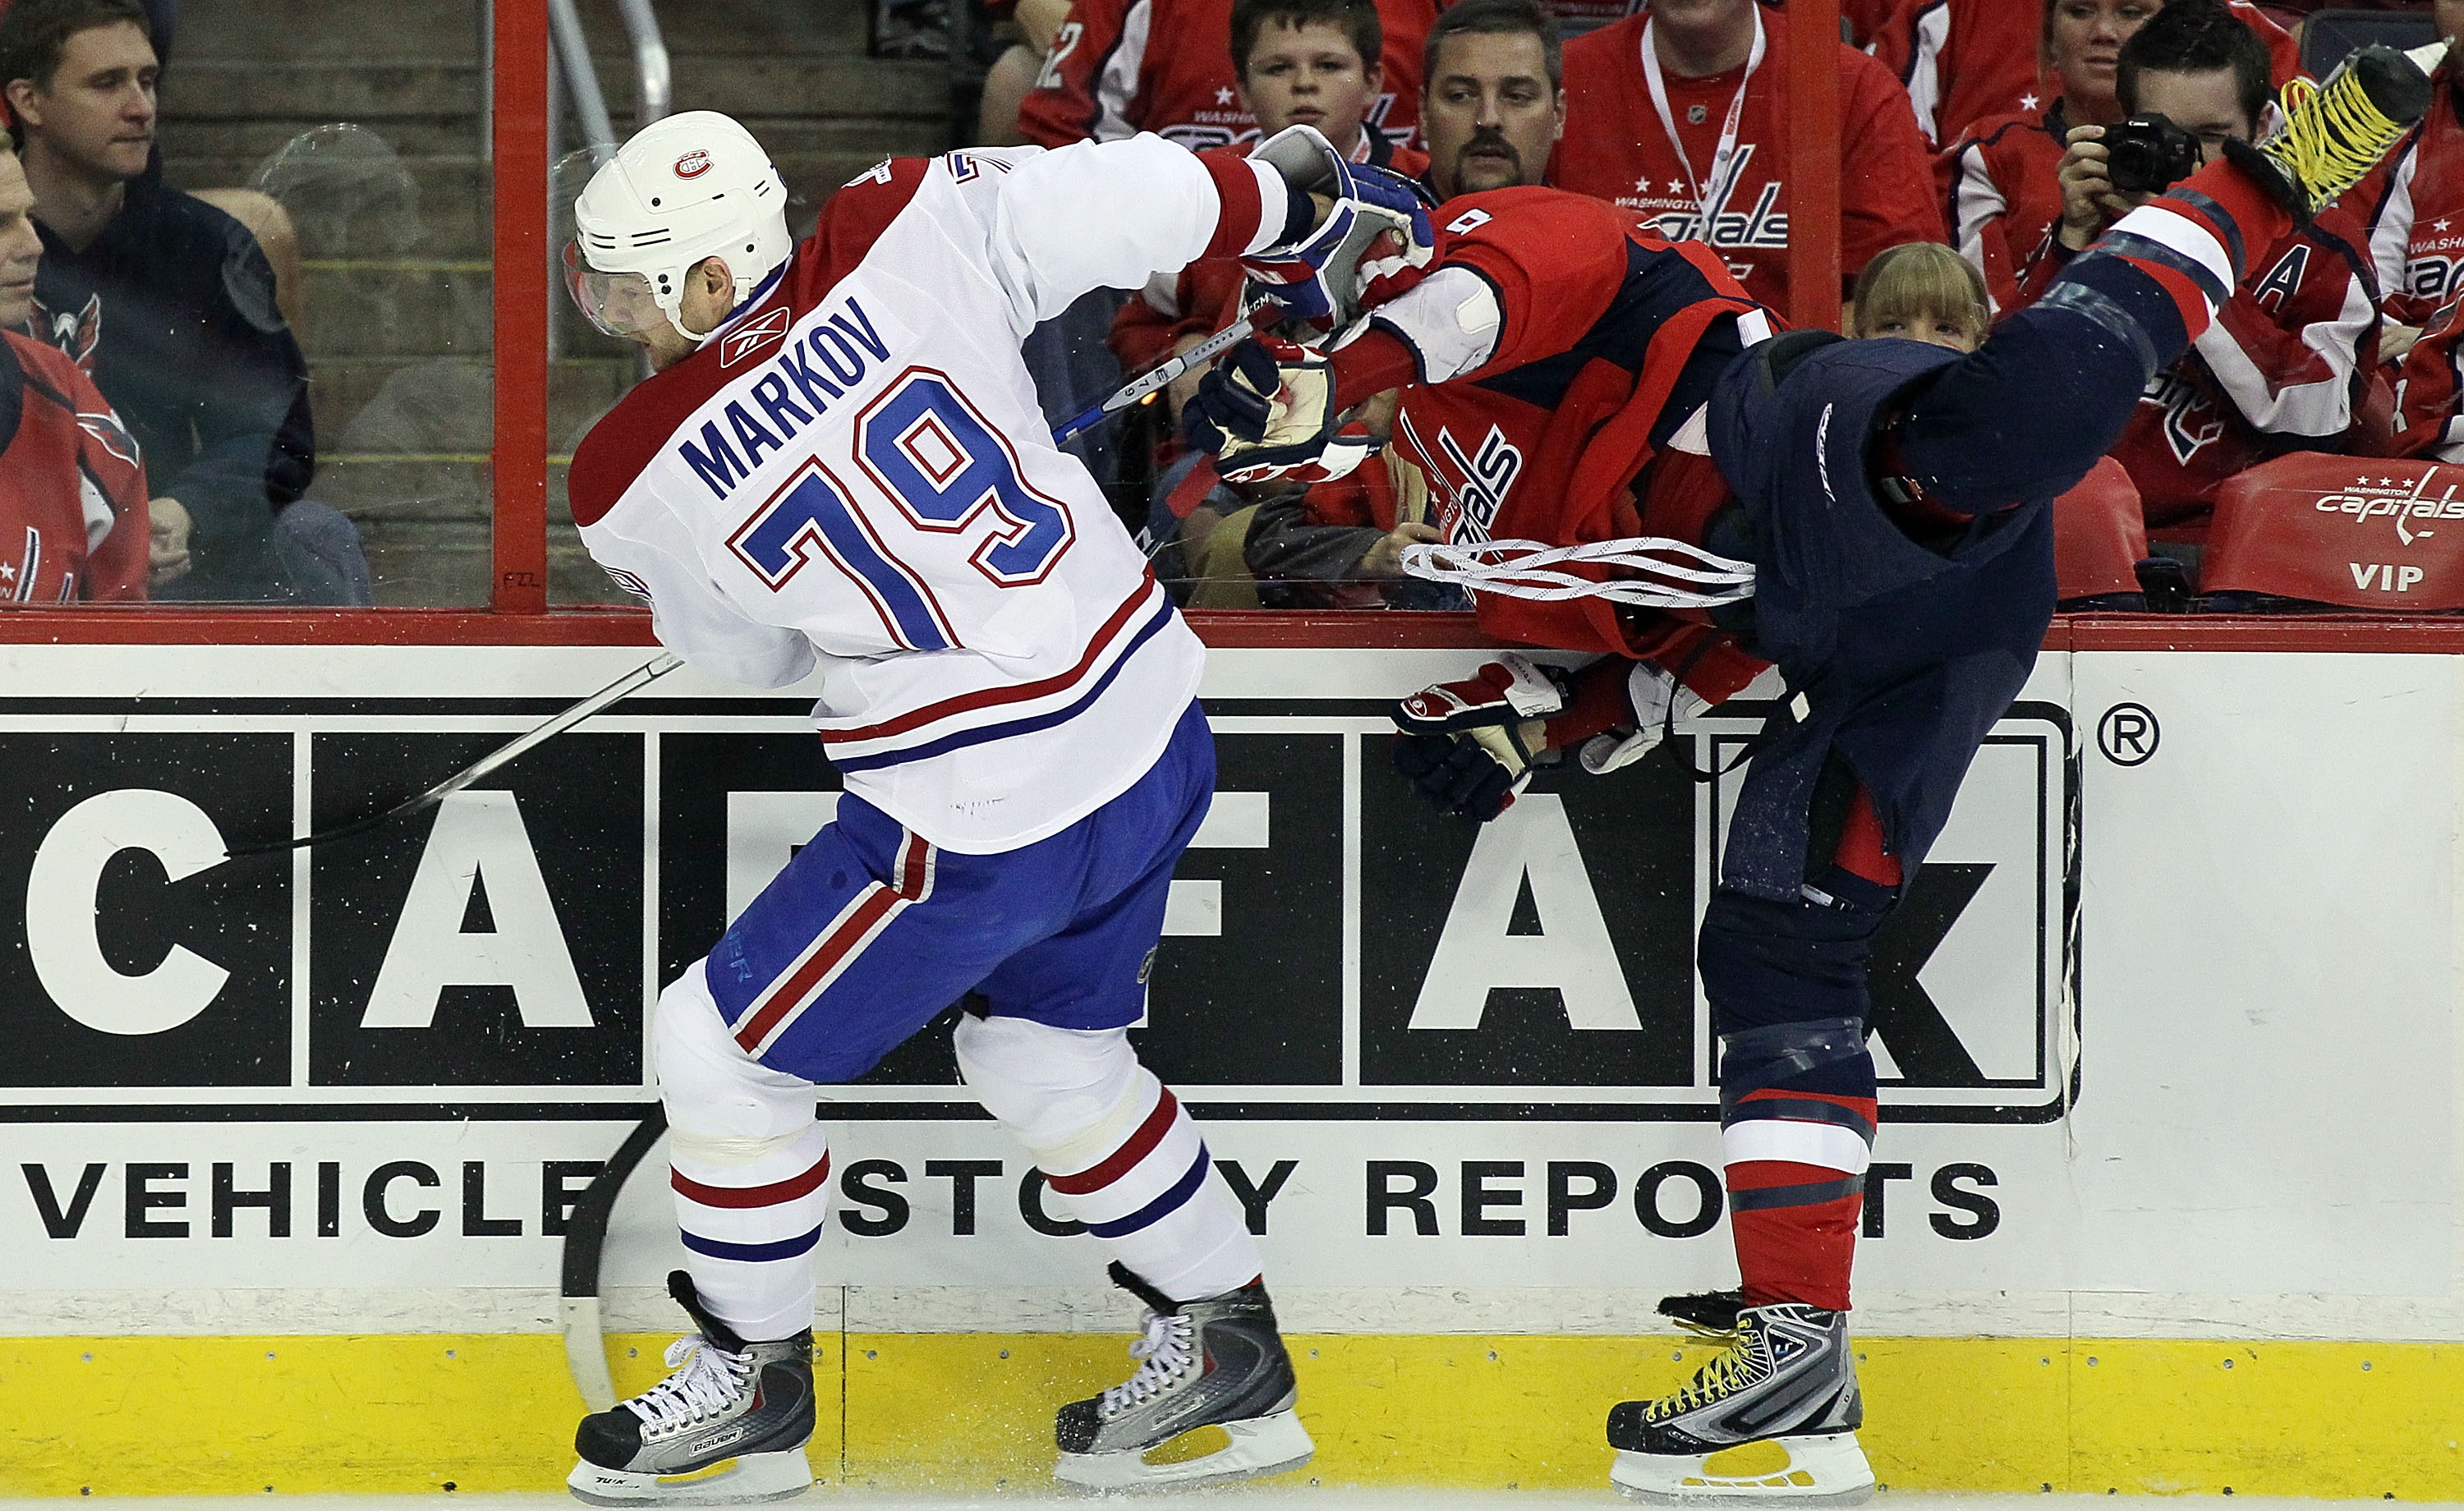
{"points": [[1470, 746]]}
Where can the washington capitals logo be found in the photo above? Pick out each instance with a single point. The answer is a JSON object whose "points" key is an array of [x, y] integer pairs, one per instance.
{"points": [[109, 434], [751, 336], [76, 333]]}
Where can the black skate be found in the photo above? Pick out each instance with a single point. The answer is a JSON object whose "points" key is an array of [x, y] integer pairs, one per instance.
{"points": [[2336, 131], [751, 1402], [1213, 1363], [1787, 1378]]}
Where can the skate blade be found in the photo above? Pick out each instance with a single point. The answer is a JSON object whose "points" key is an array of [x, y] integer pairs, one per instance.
{"points": [[1823, 1470], [1273, 1444], [752, 1477]]}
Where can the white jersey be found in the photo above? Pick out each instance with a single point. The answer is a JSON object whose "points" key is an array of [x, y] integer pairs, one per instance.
{"points": [[853, 470]]}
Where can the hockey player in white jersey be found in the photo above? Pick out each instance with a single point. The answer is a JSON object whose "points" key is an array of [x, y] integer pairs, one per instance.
{"points": [[841, 465]]}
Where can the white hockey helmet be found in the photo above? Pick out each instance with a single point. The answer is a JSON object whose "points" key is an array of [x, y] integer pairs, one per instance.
{"points": [[690, 187]]}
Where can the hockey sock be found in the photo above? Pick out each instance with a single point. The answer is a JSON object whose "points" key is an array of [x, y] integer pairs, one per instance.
{"points": [[1118, 1152], [1795, 1154], [750, 1167]]}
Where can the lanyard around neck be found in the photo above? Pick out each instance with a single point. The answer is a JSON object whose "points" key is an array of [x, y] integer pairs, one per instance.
{"points": [[1708, 191]]}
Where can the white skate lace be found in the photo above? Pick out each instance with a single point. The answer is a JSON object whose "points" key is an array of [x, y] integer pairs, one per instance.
{"points": [[1170, 1342], [709, 1380]]}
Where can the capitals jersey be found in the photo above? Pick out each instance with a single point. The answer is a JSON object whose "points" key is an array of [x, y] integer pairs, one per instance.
{"points": [[1563, 345], [852, 471], [1117, 67], [1615, 150], [1962, 60], [73, 498], [2414, 204], [2004, 192], [2282, 367]]}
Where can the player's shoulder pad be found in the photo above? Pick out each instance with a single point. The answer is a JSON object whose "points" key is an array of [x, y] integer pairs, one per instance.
{"points": [[627, 438], [859, 210]]}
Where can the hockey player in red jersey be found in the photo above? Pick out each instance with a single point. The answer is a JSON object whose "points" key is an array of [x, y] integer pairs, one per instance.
{"points": [[839, 471], [2414, 206], [1876, 517], [1999, 178], [1964, 60], [1681, 113], [2284, 367], [1118, 67], [73, 519]]}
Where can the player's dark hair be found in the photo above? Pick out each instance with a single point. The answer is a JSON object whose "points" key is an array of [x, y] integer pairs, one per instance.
{"points": [[1358, 19], [35, 33], [1496, 18], [2197, 36]]}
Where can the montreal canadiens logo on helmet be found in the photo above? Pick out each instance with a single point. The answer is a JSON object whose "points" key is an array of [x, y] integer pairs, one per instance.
{"points": [[692, 165]]}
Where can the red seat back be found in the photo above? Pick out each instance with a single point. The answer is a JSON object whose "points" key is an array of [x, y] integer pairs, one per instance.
{"points": [[2099, 535], [2353, 532]]}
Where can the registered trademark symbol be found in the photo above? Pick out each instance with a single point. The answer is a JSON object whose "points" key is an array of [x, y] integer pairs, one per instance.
{"points": [[2128, 735]]}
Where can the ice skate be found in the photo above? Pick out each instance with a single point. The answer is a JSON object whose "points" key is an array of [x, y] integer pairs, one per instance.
{"points": [[2335, 132], [728, 1399], [1778, 1408], [1213, 1363]]}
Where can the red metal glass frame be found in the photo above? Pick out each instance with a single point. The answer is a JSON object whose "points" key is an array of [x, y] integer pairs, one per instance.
{"points": [[518, 613]]}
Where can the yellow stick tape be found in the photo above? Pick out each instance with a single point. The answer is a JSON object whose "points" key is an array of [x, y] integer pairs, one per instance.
{"points": [[973, 1411]]}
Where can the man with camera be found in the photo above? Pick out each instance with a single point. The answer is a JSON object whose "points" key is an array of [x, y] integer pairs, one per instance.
{"points": [[2289, 355]]}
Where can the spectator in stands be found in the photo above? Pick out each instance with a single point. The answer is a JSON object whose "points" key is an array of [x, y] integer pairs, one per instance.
{"points": [[71, 487], [1493, 106], [1682, 112], [2285, 364], [169, 305], [2414, 204], [2002, 178], [1118, 67], [1964, 60], [1921, 291], [1299, 62]]}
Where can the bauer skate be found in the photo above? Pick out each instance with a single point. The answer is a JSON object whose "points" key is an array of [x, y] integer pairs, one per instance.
{"points": [[1213, 1363], [728, 1399], [2335, 132], [1786, 1379]]}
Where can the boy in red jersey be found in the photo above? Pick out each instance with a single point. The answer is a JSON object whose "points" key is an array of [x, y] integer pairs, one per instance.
{"points": [[2415, 205]]}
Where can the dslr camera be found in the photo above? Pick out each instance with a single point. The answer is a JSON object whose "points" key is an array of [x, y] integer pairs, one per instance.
{"points": [[2148, 154]]}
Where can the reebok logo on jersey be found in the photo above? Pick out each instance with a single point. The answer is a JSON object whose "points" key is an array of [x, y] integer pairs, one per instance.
{"points": [[692, 165], [743, 342]]}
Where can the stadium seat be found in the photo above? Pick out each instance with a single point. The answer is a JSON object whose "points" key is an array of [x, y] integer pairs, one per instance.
{"points": [[2099, 539], [2309, 531], [2331, 34]]}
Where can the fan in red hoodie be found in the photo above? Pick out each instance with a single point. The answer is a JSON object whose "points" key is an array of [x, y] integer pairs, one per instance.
{"points": [[1682, 114], [1965, 60], [73, 512], [1120, 67]]}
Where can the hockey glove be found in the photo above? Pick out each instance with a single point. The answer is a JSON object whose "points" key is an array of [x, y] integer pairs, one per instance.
{"points": [[1470, 746], [1376, 233], [1267, 411]]}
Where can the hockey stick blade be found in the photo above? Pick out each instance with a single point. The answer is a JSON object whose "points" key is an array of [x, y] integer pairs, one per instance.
{"points": [[624, 686], [1156, 379], [585, 1239]]}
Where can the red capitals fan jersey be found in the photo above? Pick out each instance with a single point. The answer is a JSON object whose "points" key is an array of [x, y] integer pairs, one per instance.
{"points": [[2281, 368], [72, 511], [1962, 60], [1615, 150], [2415, 205], [2003, 193], [1119, 67], [1563, 346]]}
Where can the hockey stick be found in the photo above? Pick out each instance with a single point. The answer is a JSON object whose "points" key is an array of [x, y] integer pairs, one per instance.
{"points": [[631, 681], [1155, 379], [585, 1239]]}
